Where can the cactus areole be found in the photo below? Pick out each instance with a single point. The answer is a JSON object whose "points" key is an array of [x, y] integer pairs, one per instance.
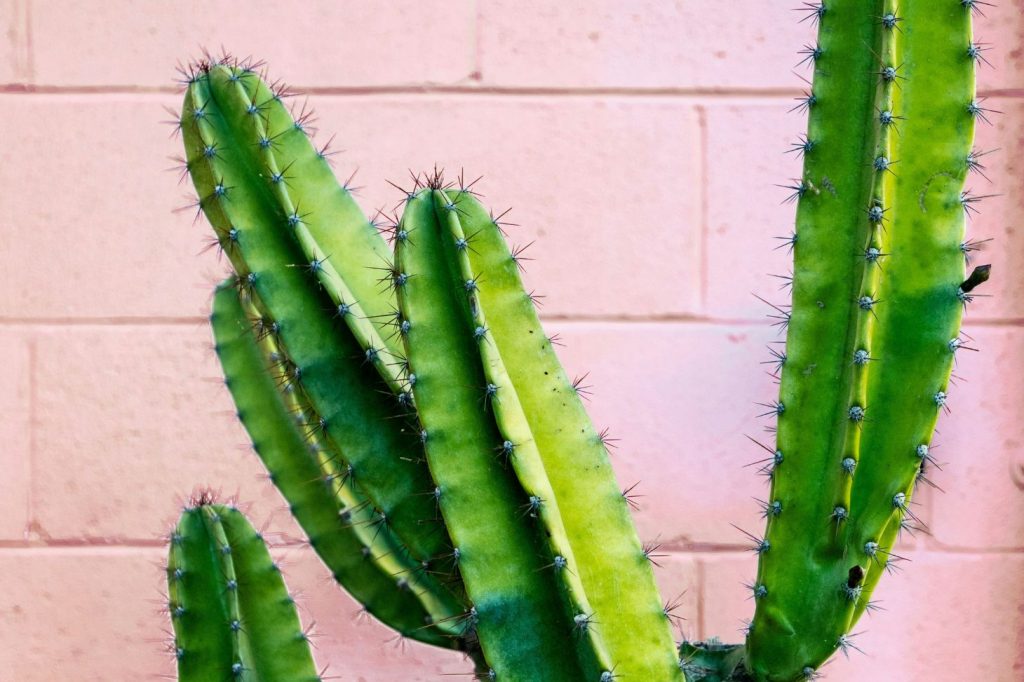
{"points": [[411, 409]]}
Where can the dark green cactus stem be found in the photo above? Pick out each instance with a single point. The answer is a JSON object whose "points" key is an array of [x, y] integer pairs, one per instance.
{"points": [[326, 504], [232, 615], [258, 234], [875, 314]]}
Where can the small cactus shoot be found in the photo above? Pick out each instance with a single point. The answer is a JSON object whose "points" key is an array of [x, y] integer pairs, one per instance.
{"points": [[232, 615]]}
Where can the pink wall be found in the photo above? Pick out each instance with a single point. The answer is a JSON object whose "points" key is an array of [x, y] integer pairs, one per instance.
{"points": [[639, 141]]}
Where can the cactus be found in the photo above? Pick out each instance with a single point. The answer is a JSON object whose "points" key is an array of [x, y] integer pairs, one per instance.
{"points": [[233, 617], [410, 408]]}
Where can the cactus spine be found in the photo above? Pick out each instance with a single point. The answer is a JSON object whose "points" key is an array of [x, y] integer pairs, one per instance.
{"points": [[875, 314], [411, 409]]}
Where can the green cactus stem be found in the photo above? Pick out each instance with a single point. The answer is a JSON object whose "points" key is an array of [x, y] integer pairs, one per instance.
{"points": [[593, 526], [325, 502], [875, 314], [498, 555], [260, 236], [232, 615]]}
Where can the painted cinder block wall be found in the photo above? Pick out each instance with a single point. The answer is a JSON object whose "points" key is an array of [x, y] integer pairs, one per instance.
{"points": [[639, 142]]}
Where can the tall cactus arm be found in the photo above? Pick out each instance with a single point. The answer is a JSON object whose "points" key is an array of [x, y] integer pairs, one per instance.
{"points": [[325, 359], [921, 302], [498, 555], [233, 618], [848, 459], [389, 588], [801, 609], [611, 564]]}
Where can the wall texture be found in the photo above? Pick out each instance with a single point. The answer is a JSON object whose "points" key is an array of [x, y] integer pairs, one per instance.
{"points": [[639, 141]]}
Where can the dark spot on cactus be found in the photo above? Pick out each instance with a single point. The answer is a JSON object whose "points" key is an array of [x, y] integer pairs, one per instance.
{"points": [[978, 276], [861, 357], [840, 514], [849, 464], [856, 413]]}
